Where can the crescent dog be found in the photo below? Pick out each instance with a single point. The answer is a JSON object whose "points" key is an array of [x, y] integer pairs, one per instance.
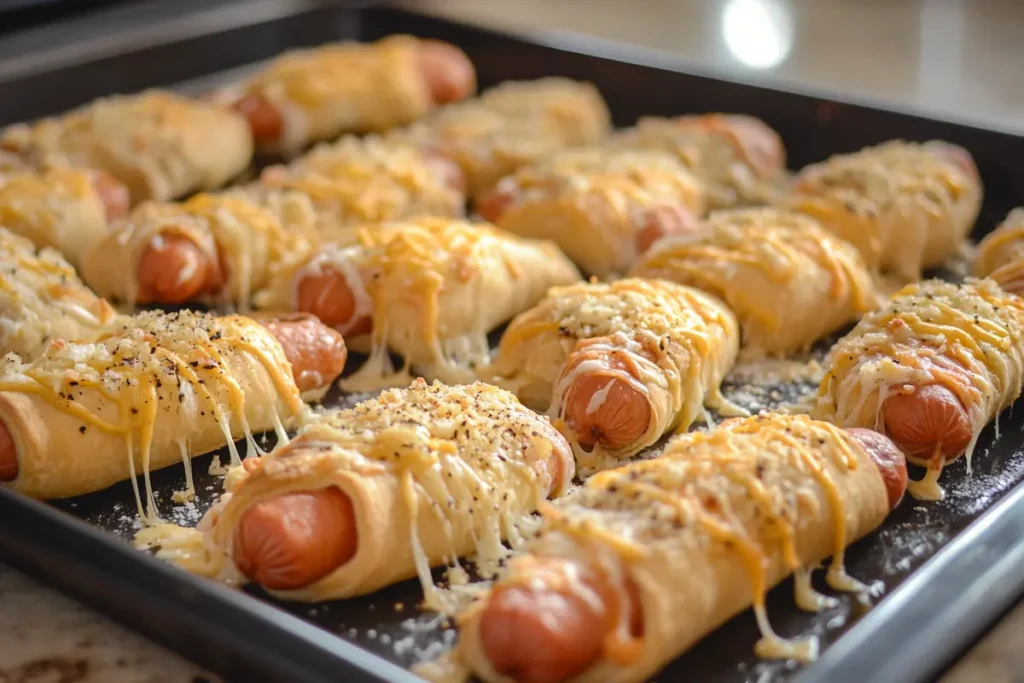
{"points": [[789, 281], [739, 159], [618, 365], [212, 249], [41, 298], [67, 209], [512, 125], [1000, 256], [305, 96], [158, 144], [367, 180], [157, 390], [368, 496], [651, 557], [602, 208], [905, 206], [929, 370], [428, 289]]}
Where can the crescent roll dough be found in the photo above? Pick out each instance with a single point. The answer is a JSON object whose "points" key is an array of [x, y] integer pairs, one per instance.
{"points": [[59, 208], [789, 281], [347, 87], [434, 473], [595, 204], [674, 344], [692, 530], [512, 125], [364, 180], [160, 145], [968, 338], [246, 240], [42, 299], [158, 389], [433, 288], [739, 159], [1000, 255], [905, 206]]}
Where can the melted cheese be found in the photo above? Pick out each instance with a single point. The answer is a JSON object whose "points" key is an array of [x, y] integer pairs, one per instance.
{"points": [[968, 338], [789, 281], [1001, 254]]}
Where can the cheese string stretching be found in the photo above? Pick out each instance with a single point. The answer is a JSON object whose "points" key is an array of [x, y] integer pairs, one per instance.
{"points": [[930, 370], [618, 365], [157, 389], [1000, 255], [310, 95], [371, 495], [649, 558]]}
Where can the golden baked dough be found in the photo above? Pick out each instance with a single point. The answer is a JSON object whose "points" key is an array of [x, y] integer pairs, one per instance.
{"points": [[59, 208], [739, 159], [789, 281], [434, 473], [433, 287], [595, 204], [159, 144], [1000, 255], [159, 389], [905, 206], [703, 532], [968, 338], [680, 343], [512, 125], [361, 180], [246, 240], [348, 87], [42, 299]]}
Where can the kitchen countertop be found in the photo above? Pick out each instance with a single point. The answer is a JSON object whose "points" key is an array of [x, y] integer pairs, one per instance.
{"points": [[957, 58]]}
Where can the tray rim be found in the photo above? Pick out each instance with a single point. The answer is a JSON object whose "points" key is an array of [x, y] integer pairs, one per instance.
{"points": [[863, 652]]}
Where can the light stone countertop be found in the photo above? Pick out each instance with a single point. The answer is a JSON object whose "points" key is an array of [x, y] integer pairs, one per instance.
{"points": [[960, 58]]}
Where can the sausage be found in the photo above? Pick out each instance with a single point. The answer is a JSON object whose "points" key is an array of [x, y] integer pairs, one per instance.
{"points": [[661, 220], [174, 270], [316, 352], [265, 120], [600, 405], [888, 458], [113, 193], [447, 71], [536, 632], [328, 296], [492, 205], [8, 455], [290, 541], [959, 157], [758, 143], [931, 421]]}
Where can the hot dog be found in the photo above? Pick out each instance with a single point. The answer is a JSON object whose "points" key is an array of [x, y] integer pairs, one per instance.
{"points": [[928, 421], [663, 220], [173, 269], [8, 455], [563, 616], [327, 295], [113, 193], [316, 352]]}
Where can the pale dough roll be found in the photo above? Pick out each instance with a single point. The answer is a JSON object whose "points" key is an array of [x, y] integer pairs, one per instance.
{"points": [[361, 180], [931, 332], [434, 473], [513, 124], [1000, 255], [42, 299], [59, 208], [682, 341], [739, 159], [789, 281], [905, 206], [245, 239], [157, 390], [592, 202], [434, 288], [688, 529], [348, 87]]}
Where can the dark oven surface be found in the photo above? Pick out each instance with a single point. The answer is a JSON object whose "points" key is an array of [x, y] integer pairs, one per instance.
{"points": [[943, 571]]}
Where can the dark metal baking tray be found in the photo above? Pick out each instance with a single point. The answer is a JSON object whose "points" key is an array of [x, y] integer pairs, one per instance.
{"points": [[949, 569]]}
